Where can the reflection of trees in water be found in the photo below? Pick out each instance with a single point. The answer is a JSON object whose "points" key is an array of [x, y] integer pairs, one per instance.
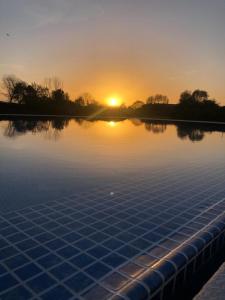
{"points": [[84, 123], [20, 127], [60, 124], [51, 128], [193, 134], [136, 122], [155, 128]]}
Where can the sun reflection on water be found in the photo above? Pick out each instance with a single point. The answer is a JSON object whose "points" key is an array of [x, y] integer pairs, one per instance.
{"points": [[112, 124]]}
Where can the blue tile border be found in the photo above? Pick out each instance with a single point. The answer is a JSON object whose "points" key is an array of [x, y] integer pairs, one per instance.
{"points": [[155, 278]]}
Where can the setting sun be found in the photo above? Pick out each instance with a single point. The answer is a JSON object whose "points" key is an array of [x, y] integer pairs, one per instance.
{"points": [[114, 101]]}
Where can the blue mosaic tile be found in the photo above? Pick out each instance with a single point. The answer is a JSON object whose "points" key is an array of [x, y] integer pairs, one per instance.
{"points": [[44, 237], [7, 281], [16, 261], [153, 281], [41, 283], [98, 237], [18, 293], [128, 251], [37, 252], [178, 259], [67, 251], [26, 244], [84, 244], [98, 251], [57, 293], [3, 243], [82, 260], [25, 225], [132, 270], [71, 237], [27, 271], [141, 244], [55, 244], [152, 237], [114, 260], [166, 268], [63, 271], [7, 252], [17, 237], [113, 244], [34, 231], [94, 244], [98, 270], [115, 281], [79, 282], [146, 260], [51, 225], [3, 270], [49, 260], [135, 291], [97, 292]]}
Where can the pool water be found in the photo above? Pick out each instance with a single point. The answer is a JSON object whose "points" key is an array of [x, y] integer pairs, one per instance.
{"points": [[89, 205], [44, 160]]}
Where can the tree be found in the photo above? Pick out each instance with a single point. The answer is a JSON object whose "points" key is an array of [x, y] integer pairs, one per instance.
{"points": [[158, 99], [42, 93], [85, 100], [200, 95], [59, 96], [53, 83], [137, 104], [185, 98], [9, 83], [29, 93], [20, 92]]}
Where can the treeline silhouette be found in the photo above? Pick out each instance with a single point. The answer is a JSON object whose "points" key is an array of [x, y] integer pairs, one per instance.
{"points": [[52, 126], [51, 99]]}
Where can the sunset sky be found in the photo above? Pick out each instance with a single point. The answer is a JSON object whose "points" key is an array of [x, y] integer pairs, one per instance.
{"points": [[125, 48]]}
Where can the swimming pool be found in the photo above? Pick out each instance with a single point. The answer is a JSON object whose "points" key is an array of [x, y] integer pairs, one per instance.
{"points": [[94, 209]]}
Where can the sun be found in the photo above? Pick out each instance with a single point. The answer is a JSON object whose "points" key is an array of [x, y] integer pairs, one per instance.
{"points": [[113, 101]]}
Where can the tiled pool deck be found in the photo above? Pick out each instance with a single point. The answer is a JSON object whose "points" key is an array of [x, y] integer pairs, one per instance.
{"points": [[128, 241]]}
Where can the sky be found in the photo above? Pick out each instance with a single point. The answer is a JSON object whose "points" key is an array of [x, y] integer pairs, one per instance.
{"points": [[125, 48]]}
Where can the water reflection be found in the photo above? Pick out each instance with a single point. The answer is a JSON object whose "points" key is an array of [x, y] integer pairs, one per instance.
{"points": [[17, 127], [193, 134], [155, 128], [112, 124], [196, 132], [52, 127]]}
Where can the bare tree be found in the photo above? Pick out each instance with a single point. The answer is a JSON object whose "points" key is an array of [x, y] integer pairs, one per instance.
{"points": [[9, 83], [53, 83], [48, 84], [158, 99], [57, 83], [85, 99]]}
